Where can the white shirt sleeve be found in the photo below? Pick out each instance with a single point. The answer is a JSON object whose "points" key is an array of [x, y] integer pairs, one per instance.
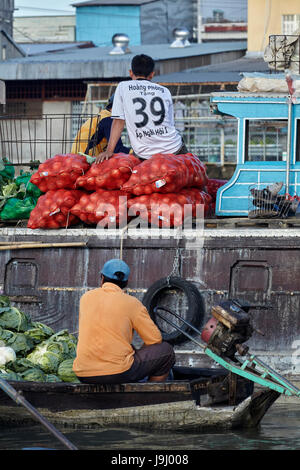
{"points": [[170, 109], [117, 111]]}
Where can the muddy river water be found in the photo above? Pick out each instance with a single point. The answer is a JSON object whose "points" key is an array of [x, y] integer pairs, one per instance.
{"points": [[279, 430]]}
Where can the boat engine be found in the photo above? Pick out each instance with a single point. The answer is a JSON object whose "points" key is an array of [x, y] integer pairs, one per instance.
{"points": [[228, 329]]}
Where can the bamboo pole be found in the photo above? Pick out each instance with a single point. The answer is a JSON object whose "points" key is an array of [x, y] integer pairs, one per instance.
{"points": [[17, 243], [21, 245]]}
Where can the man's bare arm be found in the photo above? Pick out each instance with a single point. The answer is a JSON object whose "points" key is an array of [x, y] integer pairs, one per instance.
{"points": [[115, 134]]}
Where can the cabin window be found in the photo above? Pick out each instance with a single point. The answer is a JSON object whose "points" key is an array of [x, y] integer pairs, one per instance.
{"points": [[266, 140], [298, 141]]}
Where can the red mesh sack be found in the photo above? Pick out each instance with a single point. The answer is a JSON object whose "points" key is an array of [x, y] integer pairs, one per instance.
{"points": [[212, 187], [53, 209], [169, 210], [198, 197], [110, 174], [166, 174], [60, 172], [162, 210], [104, 208]]}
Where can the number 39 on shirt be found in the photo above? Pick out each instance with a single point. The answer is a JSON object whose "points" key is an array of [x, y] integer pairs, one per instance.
{"points": [[156, 107]]}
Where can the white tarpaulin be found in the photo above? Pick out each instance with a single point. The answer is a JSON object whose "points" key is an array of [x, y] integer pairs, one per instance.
{"points": [[262, 83]]}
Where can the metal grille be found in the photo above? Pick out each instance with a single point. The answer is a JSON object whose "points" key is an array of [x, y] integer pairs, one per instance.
{"points": [[24, 138], [265, 202], [27, 139], [283, 52]]}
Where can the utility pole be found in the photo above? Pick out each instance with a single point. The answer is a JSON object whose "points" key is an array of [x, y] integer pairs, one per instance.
{"points": [[199, 21]]}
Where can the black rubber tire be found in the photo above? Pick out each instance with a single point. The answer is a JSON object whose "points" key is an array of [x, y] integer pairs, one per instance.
{"points": [[195, 307]]}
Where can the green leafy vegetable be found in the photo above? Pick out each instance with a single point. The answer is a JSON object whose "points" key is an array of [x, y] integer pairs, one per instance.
{"points": [[4, 301], [47, 356], [17, 341], [15, 208], [20, 365], [65, 371], [33, 375], [38, 332], [52, 378], [12, 318], [39, 352], [7, 374], [30, 188]]}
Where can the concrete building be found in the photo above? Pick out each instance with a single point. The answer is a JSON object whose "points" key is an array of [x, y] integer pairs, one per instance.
{"points": [[8, 47], [219, 20], [145, 21], [266, 17], [32, 29]]}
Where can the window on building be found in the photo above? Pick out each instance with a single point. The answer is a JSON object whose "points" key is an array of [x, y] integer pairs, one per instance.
{"points": [[3, 53], [290, 23], [23, 109], [266, 140]]}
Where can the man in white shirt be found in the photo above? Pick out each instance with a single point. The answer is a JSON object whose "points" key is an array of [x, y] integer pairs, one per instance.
{"points": [[147, 110]]}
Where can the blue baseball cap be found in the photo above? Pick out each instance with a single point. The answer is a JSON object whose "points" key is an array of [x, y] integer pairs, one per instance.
{"points": [[114, 266]]}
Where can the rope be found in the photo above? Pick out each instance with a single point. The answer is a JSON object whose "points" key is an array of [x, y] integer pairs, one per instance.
{"points": [[122, 240]]}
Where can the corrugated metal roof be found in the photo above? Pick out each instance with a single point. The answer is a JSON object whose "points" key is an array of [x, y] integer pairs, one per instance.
{"points": [[156, 51], [247, 63], [111, 3], [196, 77], [42, 48], [96, 62], [224, 72]]}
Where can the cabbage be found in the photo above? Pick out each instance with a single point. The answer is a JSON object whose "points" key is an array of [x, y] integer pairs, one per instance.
{"points": [[52, 378], [20, 365], [18, 341], [47, 356], [9, 375], [65, 371], [33, 375], [4, 301], [7, 354], [38, 332], [67, 341], [14, 319], [9, 189]]}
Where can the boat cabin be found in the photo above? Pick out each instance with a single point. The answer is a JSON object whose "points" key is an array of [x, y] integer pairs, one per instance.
{"points": [[268, 148]]}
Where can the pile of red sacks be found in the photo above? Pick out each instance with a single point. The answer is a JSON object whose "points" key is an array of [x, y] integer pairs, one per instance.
{"points": [[163, 190]]}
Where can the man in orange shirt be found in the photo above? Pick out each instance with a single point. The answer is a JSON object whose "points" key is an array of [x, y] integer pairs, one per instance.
{"points": [[107, 319]]}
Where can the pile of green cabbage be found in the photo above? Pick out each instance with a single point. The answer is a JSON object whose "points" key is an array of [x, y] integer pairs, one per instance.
{"points": [[18, 197], [31, 350]]}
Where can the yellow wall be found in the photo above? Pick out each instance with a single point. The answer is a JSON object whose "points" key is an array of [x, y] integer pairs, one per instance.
{"points": [[265, 18]]}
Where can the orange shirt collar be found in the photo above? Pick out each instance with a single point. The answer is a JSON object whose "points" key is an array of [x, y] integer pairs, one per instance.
{"points": [[110, 287]]}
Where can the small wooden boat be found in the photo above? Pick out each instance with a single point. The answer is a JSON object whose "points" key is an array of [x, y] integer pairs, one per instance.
{"points": [[195, 400]]}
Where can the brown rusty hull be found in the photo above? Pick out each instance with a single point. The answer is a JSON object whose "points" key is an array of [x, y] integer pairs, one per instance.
{"points": [[261, 266]]}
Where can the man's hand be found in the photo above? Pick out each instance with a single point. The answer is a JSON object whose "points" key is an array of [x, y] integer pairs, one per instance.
{"points": [[103, 156], [115, 134]]}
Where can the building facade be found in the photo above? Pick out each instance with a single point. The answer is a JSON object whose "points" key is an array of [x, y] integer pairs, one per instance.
{"points": [[8, 48], [144, 21], [267, 17], [30, 29]]}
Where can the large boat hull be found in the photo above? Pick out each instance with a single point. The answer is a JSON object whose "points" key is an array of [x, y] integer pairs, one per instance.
{"points": [[258, 265]]}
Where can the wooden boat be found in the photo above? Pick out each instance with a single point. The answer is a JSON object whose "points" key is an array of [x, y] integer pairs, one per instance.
{"points": [[195, 400]]}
